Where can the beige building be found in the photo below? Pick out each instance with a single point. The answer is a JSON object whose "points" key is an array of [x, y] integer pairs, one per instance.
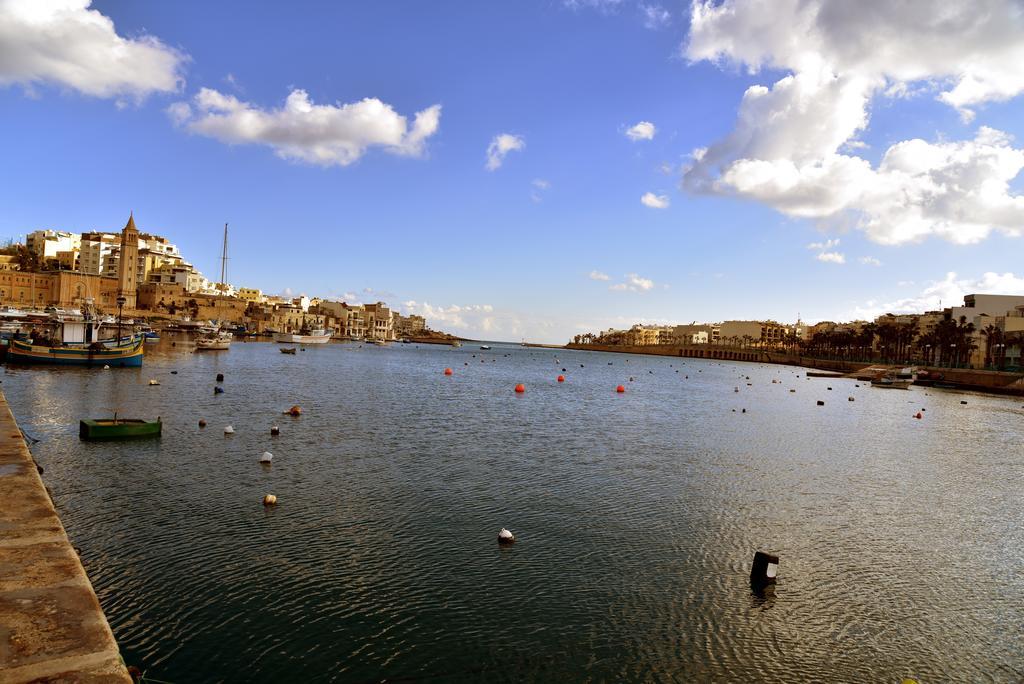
{"points": [[248, 294]]}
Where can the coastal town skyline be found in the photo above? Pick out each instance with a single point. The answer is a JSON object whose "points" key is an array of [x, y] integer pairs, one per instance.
{"points": [[494, 218]]}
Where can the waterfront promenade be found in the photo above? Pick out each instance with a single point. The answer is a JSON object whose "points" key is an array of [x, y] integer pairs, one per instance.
{"points": [[51, 625]]}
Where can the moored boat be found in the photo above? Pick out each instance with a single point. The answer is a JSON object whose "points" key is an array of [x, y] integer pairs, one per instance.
{"points": [[218, 342], [901, 379], [96, 354], [287, 350], [118, 428], [304, 336], [485, 347]]}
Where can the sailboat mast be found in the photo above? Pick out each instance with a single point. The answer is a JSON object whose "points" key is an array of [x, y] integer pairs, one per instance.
{"points": [[224, 258]]}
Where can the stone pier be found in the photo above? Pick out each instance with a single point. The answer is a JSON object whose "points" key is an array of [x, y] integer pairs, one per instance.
{"points": [[52, 628]]}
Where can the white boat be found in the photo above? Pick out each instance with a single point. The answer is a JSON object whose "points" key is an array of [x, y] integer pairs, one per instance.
{"points": [[11, 312], [320, 336], [485, 347], [901, 379], [218, 342]]}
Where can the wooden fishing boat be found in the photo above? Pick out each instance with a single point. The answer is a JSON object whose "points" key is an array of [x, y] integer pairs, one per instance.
{"points": [[94, 355], [118, 428], [287, 350]]}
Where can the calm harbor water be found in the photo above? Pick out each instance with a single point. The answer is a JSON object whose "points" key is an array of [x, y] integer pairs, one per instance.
{"points": [[637, 515]]}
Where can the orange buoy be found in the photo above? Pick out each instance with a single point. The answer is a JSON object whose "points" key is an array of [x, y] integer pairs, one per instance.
{"points": [[918, 415], [561, 378], [447, 371], [620, 389], [520, 388], [294, 411]]}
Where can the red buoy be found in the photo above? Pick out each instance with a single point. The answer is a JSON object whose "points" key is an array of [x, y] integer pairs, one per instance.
{"points": [[520, 388], [620, 389], [918, 415], [561, 378], [447, 371]]}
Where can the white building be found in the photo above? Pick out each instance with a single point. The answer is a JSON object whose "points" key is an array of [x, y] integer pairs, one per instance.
{"points": [[47, 243]]}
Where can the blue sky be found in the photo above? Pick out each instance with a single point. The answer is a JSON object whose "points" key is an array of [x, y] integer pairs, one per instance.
{"points": [[523, 249]]}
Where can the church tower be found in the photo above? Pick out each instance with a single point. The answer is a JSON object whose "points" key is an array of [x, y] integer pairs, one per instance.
{"points": [[127, 266]]}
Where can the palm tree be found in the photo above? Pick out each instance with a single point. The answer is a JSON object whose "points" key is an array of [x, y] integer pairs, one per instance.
{"points": [[993, 335]]}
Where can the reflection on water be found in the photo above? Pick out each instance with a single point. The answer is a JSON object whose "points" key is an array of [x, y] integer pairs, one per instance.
{"points": [[901, 541]]}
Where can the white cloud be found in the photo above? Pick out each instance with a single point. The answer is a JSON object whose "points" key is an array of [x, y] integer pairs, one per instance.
{"points": [[597, 275], [63, 42], [940, 293], [500, 146], [644, 130], [821, 246], [653, 201], [540, 186], [870, 261], [831, 257], [327, 135], [655, 16], [484, 321], [633, 283], [787, 148], [600, 5]]}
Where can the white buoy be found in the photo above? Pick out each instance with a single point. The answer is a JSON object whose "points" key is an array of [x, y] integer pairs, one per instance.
{"points": [[269, 500], [105, 367], [229, 430], [505, 537], [267, 457]]}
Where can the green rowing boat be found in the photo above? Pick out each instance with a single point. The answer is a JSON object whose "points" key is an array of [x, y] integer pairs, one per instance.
{"points": [[118, 428]]}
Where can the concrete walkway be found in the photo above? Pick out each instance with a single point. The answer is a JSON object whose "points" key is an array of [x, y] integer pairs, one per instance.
{"points": [[52, 628]]}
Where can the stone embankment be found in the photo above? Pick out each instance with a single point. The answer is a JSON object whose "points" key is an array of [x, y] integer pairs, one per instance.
{"points": [[995, 382], [52, 628]]}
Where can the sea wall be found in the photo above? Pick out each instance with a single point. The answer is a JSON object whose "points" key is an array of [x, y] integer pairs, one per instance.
{"points": [[962, 378], [52, 628]]}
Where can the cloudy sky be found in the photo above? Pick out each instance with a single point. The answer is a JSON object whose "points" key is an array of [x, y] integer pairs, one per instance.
{"points": [[536, 169]]}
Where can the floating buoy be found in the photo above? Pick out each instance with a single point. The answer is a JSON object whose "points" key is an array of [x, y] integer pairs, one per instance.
{"points": [[267, 457], [506, 537], [275, 431], [829, 389], [792, 391], [294, 411], [269, 500], [105, 367], [821, 403], [174, 372], [849, 398], [229, 430], [918, 415], [764, 569], [963, 402], [561, 378], [563, 370], [744, 411], [202, 423], [220, 377], [735, 389], [218, 390], [447, 371], [520, 388], [154, 382], [620, 389], [631, 378]]}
